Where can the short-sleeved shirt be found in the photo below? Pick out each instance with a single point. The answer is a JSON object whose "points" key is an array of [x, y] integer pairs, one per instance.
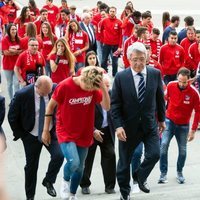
{"points": [[9, 61], [78, 41], [29, 62], [75, 113], [62, 72]]}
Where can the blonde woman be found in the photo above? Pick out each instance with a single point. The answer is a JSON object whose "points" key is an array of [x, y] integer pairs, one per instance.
{"points": [[62, 61], [75, 98]]}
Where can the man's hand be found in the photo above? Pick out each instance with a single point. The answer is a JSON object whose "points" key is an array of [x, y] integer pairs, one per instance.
{"points": [[161, 127], [191, 135], [46, 137], [98, 135], [120, 132]]}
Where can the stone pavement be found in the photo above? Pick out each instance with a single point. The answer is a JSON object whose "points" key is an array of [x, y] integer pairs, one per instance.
{"points": [[14, 155]]}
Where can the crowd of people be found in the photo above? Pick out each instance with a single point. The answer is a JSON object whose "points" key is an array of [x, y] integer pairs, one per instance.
{"points": [[56, 62]]}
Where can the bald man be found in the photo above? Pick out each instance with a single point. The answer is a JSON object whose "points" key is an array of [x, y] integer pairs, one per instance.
{"points": [[26, 121]]}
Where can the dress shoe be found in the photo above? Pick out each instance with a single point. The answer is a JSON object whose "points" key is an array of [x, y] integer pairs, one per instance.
{"points": [[85, 190], [125, 198], [50, 189], [110, 191], [143, 186]]}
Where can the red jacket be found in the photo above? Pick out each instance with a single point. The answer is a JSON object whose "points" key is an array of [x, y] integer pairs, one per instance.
{"points": [[127, 26], [182, 103], [155, 48], [172, 58], [186, 43], [194, 55], [112, 31], [127, 43]]}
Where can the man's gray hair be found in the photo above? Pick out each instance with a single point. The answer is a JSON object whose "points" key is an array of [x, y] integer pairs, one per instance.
{"points": [[85, 15], [136, 47]]}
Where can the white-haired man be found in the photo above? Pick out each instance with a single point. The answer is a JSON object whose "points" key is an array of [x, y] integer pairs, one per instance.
{"points": [[89, 29], [137, 98]]}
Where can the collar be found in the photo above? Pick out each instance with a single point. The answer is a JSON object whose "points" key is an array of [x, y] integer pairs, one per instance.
{"points": [[143, 72]]}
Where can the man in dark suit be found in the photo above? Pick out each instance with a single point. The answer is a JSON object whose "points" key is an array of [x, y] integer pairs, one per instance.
{"points": [[137, 98], [89, 29], [2, 116], [104, 136], [26, 116]]}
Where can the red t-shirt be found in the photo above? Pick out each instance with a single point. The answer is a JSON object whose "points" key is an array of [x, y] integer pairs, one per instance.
{"points": [[13, 13], [28, 62], [24, 43], [22, 27], [78, 41], [75, 113], [62, 72], [52, 13], [47, 46], [9, 61]]}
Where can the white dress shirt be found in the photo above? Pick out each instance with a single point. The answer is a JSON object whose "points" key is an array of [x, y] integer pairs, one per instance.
{"points": [[136, 77]]}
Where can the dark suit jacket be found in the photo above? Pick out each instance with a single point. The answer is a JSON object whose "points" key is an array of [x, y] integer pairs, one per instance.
{"points": [[127, 112], [99, 121], [91, 46], [21, 115], [2, 113]]}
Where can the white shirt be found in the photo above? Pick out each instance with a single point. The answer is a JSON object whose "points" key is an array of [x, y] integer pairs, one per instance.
{"points": [[105, 119], [136, 77], [90, 33], [34, 132]]}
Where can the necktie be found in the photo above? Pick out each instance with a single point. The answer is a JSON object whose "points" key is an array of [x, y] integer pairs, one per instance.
{"points": [[41, 118], [90, 34], [141, 88]]}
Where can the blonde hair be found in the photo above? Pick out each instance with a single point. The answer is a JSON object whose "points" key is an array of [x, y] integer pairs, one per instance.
{"points": [[91, 75]]}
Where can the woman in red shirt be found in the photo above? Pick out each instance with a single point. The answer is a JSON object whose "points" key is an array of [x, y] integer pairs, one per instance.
{"points": [[11, 50], [61, 61], [22, 20], [34, 10], [78, 42], [75, 98], [49, 40]]}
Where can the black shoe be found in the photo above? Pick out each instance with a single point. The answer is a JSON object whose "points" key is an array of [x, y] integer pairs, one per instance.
{"points": [[50, 189], [85, 190], [30, 198], [143, 186], [110, 191], [125, 198]]}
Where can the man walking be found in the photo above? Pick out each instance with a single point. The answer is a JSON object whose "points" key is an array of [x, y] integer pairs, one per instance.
{"points": [[26, 118], [137, 97], [182, 99]]}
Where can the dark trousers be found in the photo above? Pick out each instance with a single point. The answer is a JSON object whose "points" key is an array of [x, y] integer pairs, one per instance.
{"points": [[106, 50], [33, 148], [108, 161], [126, 149]]}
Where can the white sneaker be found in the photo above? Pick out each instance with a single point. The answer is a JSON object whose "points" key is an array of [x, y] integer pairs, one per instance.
{"points": [[73, 198], [135, 188], [64, 189]]}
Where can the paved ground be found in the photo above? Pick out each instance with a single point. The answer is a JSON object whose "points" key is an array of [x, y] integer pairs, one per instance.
{"points": [[14, 155]]}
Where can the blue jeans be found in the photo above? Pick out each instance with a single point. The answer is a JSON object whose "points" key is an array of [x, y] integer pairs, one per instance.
{"points": [[12, 82], [136, 159], [181, 133], [73, 169], [107, 49]]}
